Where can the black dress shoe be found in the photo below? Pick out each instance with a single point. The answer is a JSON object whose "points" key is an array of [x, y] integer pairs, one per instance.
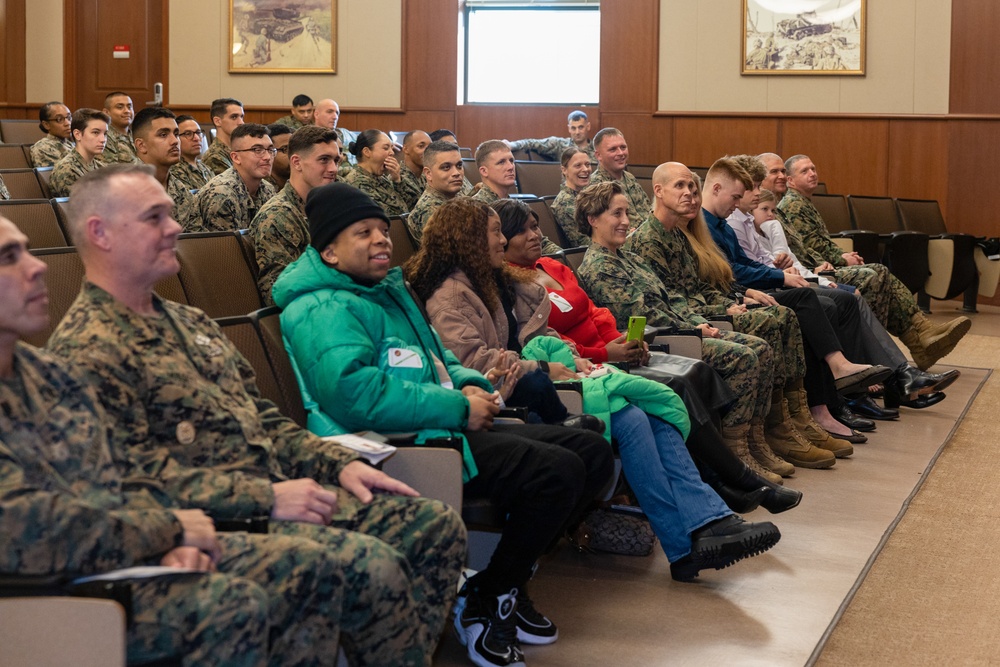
{"points": [[739, 501], [921, 402], [854, 438], [945, 379], [843, 414], [911, 382], [585, 422], [866, 407]]}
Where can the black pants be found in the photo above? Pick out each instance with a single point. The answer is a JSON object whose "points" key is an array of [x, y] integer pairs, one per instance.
{"points": [[543, 478]]}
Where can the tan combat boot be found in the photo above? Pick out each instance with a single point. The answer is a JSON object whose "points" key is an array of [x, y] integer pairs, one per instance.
{"points": [[735, 438], [928, 342], [803, 422], [788, 443], [761, 451]]}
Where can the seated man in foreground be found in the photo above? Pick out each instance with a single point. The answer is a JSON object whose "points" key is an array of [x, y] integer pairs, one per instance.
{"points": [[368, 358], [64, 511], [186, 412]]}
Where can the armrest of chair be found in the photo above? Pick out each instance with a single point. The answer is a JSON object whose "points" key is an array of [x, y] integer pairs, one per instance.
{"points": [[681, 345], [571, 394], [62, 631], [436, 472]]}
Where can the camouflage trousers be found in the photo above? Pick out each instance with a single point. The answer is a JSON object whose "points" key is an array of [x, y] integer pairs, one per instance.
{"points": [[890, 300], [779, 327], [746, 366], [277, 602], [401, 559]]}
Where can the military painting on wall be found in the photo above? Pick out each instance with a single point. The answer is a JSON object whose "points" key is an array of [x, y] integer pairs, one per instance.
{"points": [[804, 37], [278, 36]]}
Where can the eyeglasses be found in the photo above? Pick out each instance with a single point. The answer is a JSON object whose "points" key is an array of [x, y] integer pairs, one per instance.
{"points": [[259, 150], [283, 150], [57, 119], [192, 133]]}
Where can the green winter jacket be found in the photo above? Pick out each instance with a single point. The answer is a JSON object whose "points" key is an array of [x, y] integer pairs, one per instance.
{"points": [[367, 359]]}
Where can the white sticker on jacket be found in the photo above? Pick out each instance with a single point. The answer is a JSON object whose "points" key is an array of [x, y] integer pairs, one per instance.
{"points": [[400, 358], [560, 302]]}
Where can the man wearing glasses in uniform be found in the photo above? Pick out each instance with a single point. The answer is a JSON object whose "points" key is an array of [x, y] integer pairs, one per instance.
{"points": [[231, 200], [190, 170]]}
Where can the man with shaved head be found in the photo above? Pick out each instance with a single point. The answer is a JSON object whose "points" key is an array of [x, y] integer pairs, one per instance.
{"points": [[328, 115], [413, 180], [795, 182]]}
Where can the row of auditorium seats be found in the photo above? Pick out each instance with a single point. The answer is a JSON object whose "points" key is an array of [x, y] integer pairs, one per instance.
{"points": [[13, 131], [27, 183]]}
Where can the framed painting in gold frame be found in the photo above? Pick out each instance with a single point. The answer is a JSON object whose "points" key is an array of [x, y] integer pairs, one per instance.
{"points": [[796, 37], [276, 36]]}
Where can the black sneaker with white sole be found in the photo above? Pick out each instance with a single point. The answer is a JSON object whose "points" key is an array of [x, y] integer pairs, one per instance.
{"points": [[487, 627], [532, 626]]}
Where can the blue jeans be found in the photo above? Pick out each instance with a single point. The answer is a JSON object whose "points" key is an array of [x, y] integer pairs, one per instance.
{"points": [[660, 471]]}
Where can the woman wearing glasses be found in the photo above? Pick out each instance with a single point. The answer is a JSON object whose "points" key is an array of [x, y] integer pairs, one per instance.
{"points": [[191, 171], [54, 120], [377, 173]]}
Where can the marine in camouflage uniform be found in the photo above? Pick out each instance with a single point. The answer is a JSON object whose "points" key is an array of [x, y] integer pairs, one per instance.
{"points": [[411, 186], [551, 148], [890, 300], [217, 157], [119, 148], [48, 150], [4, 192], [66, 509], [669, 255], [382, 189], [429, 202], [289, 121], [192, 176], [225, 204], [186, 411], [68, 171], [620, 282], [280, 234], [185, 204], [485, 195], [563, 209], [639, 206]]}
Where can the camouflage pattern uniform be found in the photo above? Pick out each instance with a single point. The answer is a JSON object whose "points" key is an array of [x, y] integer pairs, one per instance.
{"points": [[192, 176], [624, 285], [184, 408], [563, 209], [670, 256], [422, 211], [289, 121], [119, 148], [890, 300], [225, 204], [185, 204], [468, 189], [411, 186], [551, 148], [485, 195], [280, 233], [217, 157], [4, 192], [48, 150], [68, 171], [66, 509], [382, 189], [639, 207]]}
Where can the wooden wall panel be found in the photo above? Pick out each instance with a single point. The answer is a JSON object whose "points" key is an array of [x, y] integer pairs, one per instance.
{"points": [[12, 45], [630, 41], [430, 54], [918, 160], [975, 60], [852, 156], [650, 139], [973, 201], [700, 141], [476, 123]]}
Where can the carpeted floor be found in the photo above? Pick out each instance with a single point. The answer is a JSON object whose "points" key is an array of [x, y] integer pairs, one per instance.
{"points": [[779, 608], [932, 596]]}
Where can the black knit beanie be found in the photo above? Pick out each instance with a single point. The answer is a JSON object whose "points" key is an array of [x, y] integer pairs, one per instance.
{"points": [[333, 208]]}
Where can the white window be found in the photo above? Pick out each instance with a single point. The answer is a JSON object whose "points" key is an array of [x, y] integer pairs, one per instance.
{"points": [[530, 52]]}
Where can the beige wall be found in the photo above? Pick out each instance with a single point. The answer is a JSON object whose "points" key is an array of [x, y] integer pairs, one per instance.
{"points": [[909, 46], [369, 59], [43, 50]]}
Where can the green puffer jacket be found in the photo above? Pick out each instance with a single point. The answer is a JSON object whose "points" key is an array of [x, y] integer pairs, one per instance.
{"points": [[367, 359], [606, 395]]}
